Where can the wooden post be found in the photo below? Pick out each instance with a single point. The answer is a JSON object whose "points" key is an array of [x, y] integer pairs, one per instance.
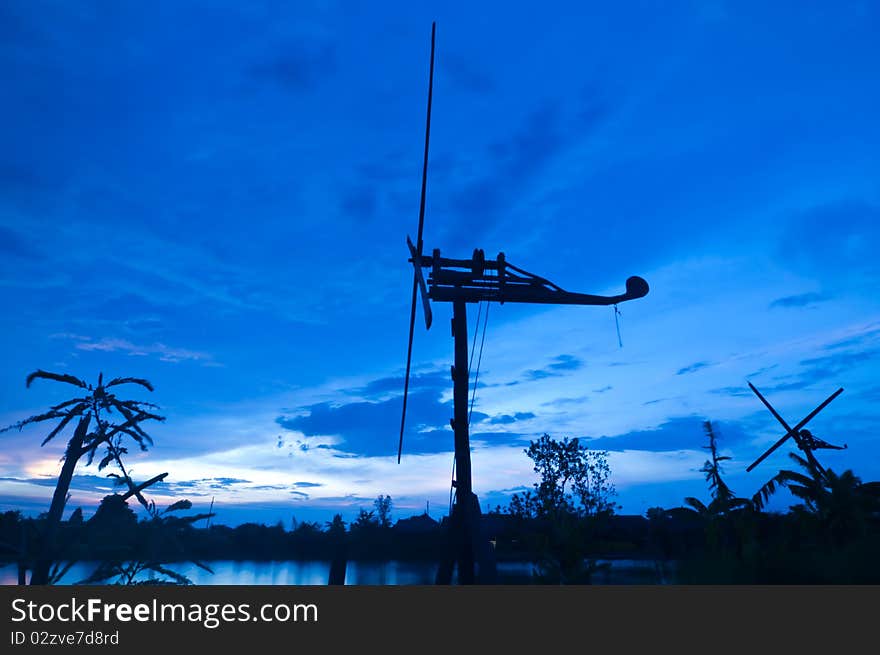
{"points": [[463, 520]]}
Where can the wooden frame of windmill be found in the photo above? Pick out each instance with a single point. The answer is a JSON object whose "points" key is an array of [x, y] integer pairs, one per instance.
{"points": [[463, 281], [803, 438]]}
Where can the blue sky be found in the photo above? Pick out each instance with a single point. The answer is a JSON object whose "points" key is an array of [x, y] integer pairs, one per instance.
{"points": [[215, 197]]}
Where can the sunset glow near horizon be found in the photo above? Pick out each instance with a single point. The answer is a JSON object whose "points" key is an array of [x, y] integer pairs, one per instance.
{"points": [[216, 198]]}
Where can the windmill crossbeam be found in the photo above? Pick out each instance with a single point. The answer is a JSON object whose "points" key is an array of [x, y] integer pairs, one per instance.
{"points": [[471, 281]]}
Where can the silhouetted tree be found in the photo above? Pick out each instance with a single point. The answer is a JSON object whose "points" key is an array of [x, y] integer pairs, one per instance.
{"points": [[573, 493], [76, 517], [574, 479], [723, 499], [95, 403], [365, 521], [383, 510], [339, 550], [727, 518]]}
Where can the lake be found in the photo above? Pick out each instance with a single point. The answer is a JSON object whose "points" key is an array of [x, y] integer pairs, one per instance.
{"points": [[358, 573]]}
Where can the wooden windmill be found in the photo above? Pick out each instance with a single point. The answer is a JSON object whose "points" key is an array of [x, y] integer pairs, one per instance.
{"points": [[803, 438], [463, 281]]}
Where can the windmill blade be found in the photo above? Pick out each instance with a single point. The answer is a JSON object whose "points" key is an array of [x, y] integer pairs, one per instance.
{"points": [[420, 280], [772, 411], [788, 433], [417, 255], [419, 243], [412, 323], [795, 429]]}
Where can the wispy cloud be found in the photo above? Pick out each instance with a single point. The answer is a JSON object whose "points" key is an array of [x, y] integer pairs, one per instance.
{"points": [[800, 300], [160, 350], [558, 366], [507, 419], [693, 368]]}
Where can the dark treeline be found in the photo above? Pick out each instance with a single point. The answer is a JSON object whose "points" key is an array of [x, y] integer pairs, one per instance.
{"points": [[115, 534]]}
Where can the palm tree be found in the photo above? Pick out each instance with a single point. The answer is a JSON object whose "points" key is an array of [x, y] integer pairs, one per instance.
{"points": [[842, 505], [723, 499], [726, 517], [90, 409]]}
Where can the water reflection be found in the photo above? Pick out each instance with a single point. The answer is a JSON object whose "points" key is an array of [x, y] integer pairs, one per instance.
{"points": [[230, 572]]}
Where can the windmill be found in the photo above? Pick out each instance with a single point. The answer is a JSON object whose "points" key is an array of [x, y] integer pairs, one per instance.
{"points": [[803, 438], [463, 281]]}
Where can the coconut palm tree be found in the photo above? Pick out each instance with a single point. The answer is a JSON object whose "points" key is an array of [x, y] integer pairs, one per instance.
{"points": [[842, 505], [90, 409]]}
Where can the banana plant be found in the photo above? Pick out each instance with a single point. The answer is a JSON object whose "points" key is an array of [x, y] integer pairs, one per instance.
{"points": [[91, 413]]}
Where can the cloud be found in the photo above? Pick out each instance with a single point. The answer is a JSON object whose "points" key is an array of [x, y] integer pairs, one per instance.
{"points": [[370, 427], [558, 366], [681, 433], [437, 380], [79, 483], [835, 365], [507, 419], [511, 163], [467, 75], [160, 350], [696, 366], [299, 67], [800, 300], [834, 240], [868, 334], [738, 392], [359, 204]]}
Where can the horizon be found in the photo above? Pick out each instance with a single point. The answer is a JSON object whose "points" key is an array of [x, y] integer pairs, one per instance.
{"points": [[223, 211]]}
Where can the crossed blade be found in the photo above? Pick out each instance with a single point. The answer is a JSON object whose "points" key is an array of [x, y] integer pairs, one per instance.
{"points": [[790, 432]]}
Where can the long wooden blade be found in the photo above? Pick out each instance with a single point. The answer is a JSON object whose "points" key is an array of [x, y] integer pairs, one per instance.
{"points": [[770, 407], [412, 324], [419, 243], [795, 429]]}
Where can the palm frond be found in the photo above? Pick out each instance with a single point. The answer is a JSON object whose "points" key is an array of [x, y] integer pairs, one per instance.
{"points": [[195, 518], [108, 458], [135, 405], [128, 414], [793, 477], [67, 403], [104, 572], [58, 377], [179, 505], [202, 565], [59, 570], [144, 383], [696, 504], [759, 500], [174, 575], [76, 411]]}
